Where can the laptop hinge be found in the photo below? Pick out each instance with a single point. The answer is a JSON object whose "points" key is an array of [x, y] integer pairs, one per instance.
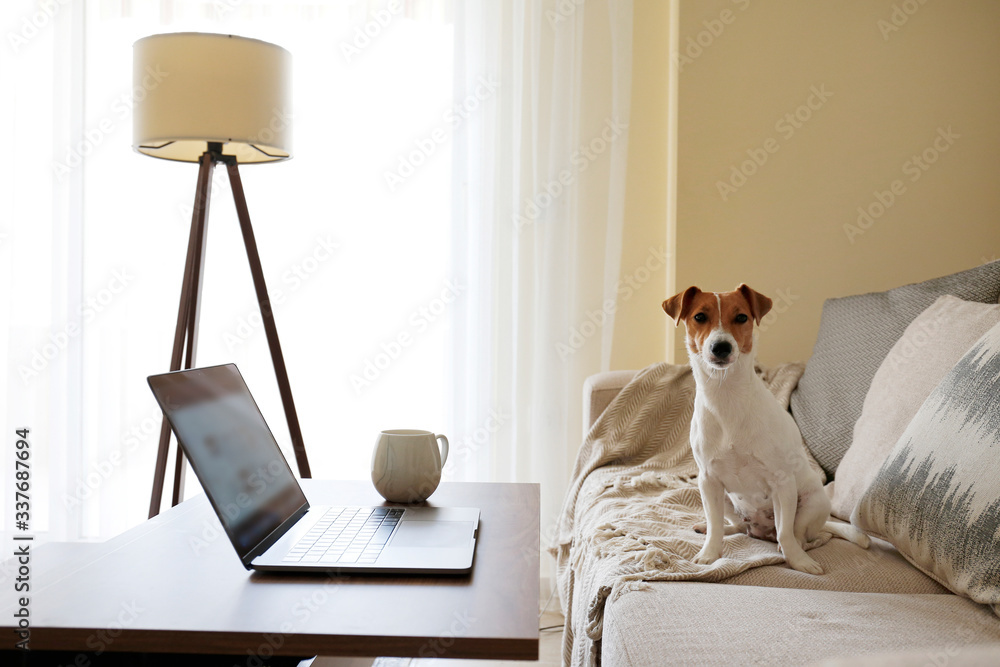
{"points": [[274, 535]]}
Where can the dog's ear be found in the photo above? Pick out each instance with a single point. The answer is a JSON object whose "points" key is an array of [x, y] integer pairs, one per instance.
{"points": [[679, 305], [760, 305]]}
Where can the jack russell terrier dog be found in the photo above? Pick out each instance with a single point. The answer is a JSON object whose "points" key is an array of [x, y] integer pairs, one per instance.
{"points": [[752, 464]]}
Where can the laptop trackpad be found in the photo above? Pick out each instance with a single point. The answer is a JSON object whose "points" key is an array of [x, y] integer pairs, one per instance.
{"points": [[437, 534]]}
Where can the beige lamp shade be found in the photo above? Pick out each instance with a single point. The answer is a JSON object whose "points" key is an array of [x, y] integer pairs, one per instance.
{"points": [[194, 88]]}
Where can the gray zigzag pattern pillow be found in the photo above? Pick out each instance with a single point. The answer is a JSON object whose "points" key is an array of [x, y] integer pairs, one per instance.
{"points": [[855, 335], [937, 496]]}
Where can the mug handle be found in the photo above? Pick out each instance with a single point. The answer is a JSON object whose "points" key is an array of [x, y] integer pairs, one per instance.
{"points": [[444, 448]]}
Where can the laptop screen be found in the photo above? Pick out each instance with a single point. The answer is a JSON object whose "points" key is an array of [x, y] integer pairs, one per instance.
{"points": [[232, 451]]}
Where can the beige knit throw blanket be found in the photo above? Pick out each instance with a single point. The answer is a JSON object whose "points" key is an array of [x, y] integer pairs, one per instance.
{"points": [[633, 499]]}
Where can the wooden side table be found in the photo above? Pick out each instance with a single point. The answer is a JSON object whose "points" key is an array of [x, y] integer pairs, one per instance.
{"points": [[174, 585]]}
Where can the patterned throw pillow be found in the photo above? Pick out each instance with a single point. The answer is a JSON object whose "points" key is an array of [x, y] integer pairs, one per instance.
{"points": [[928, 349], [937, 496], [855, 335]]}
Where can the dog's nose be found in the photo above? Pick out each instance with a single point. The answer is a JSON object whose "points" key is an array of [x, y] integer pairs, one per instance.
{"points": [[722, 349]]}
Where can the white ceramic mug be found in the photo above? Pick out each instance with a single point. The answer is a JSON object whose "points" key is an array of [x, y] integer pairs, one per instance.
{"points": [[406, 464]]}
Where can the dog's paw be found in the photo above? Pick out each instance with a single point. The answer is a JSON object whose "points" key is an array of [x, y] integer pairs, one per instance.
{"points": [[700, 528], [804, 563], [707, 556]]}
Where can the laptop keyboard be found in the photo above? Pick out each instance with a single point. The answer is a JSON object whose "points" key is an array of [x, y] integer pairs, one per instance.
{"points": [[346, 535]]}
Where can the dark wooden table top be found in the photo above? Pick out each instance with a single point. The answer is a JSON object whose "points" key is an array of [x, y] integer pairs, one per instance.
{"points": [[175, 585]]}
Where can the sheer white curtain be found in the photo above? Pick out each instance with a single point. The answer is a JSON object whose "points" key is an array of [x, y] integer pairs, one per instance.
{"points": [[40, 258], [539, 190]]}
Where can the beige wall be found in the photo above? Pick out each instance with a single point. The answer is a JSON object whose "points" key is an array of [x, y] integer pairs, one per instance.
{"points": [[880, 95], [640, 324]]}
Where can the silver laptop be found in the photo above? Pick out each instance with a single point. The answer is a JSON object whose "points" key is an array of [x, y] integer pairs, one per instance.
{"points": [[263, 509]]}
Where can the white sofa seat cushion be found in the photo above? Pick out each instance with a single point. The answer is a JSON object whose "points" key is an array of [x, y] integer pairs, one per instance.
{"points": [[847, 567], [697, 623], [948, 655]]}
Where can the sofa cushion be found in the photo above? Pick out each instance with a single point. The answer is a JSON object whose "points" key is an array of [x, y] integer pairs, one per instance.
{"points": [[927, 350], [847, 567], [855, 334], [947, 655], [937, 496], [698, 623]]}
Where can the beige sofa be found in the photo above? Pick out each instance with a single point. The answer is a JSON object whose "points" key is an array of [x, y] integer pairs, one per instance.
{"points": [[899, 405], [871, 607]]}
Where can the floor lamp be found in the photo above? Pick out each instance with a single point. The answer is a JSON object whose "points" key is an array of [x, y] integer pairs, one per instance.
{"points": [[213, 99]]}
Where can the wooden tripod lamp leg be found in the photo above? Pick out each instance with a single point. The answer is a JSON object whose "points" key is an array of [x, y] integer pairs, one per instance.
{"points": [[193, 312], [268, 318], [186, 328]]}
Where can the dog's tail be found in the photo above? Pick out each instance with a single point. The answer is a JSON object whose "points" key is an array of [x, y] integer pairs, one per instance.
{"points": [[846, 531]]}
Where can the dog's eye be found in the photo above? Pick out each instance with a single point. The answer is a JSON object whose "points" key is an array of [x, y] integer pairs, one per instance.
{"points": [[741, 319], [701, 318]]}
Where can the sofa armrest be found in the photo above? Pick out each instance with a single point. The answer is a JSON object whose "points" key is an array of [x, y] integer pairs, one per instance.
{"points": [[599, 390]]}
